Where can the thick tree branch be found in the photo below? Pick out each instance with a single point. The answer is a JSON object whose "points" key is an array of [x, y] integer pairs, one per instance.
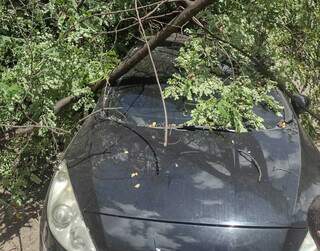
{"points": [[194, 7], [172, 27], [16, 130], [6, 136], [62, 103]]}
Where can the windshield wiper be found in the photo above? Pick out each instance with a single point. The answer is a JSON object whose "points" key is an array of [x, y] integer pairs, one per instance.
{"points": [[251, 159], [205, 128]]}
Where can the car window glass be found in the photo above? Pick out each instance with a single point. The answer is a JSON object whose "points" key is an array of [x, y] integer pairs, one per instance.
{"points": [[142, 106]]}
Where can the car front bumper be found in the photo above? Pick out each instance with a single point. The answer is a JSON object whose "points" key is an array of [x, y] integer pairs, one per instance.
{"points": [[118, 237], [117, 233]]}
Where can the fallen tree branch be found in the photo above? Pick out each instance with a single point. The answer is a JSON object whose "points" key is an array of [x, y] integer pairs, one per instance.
{"points": [[63, 103], [259, 66], [133, 9], [258, 63], [19, 130], [93, 14], [6, 136], [155, 73], [174, 26], [194, 7], [97, 111], [54, 129]]}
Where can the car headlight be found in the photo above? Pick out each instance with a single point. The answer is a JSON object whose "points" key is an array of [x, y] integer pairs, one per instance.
{"points": [[308, 244], [64, 216]]}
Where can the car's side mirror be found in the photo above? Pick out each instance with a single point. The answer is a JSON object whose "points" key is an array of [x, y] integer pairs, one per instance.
{"points": [[300, 103]]}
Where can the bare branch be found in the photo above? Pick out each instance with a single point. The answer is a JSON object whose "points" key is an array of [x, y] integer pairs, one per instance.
{"points": [[140, 54], [143, 19], [133, 9], [156, 75], [55, 129], [180, 20], [97, 111], [63, 103], [6, 136]]}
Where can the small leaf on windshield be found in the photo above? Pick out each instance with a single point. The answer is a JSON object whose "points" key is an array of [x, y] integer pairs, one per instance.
{"points": [[282, 124], [137, 186], [154, 124]]}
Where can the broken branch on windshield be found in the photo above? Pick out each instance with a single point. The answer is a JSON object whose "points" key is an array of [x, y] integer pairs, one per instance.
{"points": [[142, 31], [174, 26], [161, 36]]}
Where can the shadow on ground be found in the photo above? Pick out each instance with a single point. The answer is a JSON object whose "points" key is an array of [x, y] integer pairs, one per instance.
{"points": [[19, 228]]}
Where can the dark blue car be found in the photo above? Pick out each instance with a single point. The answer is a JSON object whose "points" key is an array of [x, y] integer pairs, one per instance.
{"points": [[119, 189]]}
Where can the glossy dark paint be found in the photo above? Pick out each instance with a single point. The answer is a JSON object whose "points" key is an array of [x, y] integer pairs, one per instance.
{"points": [[196, 194], [198, 184], [136, 235]]}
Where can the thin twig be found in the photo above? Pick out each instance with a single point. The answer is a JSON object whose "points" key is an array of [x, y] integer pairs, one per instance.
{"points": [[55, 129], [121, 11], [146, 18], [97, 111], [229, 59], [196, 21], [154, 10], [134, 9], [161, 15], [155, 73], [118, 30], [81, 2]]}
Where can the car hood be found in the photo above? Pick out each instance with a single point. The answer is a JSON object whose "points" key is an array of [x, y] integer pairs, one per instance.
{"points": [[199, 178]]}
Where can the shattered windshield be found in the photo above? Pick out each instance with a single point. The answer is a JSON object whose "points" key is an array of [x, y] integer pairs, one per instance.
{"points": [[141, 105]]}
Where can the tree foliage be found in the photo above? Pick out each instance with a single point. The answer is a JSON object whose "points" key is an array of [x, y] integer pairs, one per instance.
{"points": [[47, 52], [225, 98], [264, 43], [58, 48]]}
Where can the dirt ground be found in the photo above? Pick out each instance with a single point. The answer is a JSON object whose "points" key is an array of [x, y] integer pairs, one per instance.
{"points": [[19, 230]]}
